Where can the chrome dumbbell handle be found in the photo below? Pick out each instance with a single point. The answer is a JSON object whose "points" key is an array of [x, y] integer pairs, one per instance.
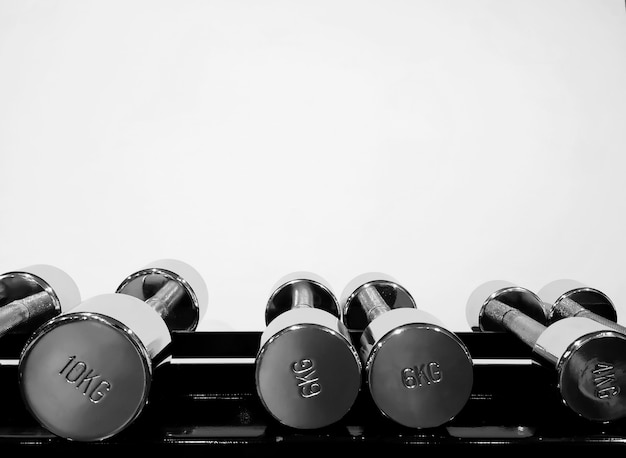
{"points": [[302, 296], [372, 303], [166, 298], [23, 310], [514, 321]]}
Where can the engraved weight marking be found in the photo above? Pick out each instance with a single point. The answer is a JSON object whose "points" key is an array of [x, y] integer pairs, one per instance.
{"points": [[305, 377], [604, 378], [77, 372], [424, 374]]}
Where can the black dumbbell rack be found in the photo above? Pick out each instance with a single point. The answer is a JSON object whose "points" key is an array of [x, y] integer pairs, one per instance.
{"points": [[203, 402]]}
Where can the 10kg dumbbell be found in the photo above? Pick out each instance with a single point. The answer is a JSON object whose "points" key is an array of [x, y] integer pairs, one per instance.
{"points": [[419, 373], [86, 375]]}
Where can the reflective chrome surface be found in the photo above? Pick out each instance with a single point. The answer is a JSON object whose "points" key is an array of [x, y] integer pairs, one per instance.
{"points": [[85, 376]]}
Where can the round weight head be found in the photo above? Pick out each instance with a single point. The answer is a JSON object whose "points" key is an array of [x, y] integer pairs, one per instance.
{"points": [[589, 298], [593, 300], [85, 376], [420, 375], [191, 306], [60, 282], [394, 296], [592, 376], [308, 375], [306, 286]]}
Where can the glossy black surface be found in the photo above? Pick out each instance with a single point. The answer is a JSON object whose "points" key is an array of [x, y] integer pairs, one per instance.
{"points": [[209, 407]]}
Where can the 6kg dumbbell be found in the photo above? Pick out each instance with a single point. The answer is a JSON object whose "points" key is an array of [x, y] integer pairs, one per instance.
{"points": [[86, 375], [308, 373], [589, 358], [419, 373]]}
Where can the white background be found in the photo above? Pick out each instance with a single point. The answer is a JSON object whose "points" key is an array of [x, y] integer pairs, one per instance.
{"points": [[446, 143]]}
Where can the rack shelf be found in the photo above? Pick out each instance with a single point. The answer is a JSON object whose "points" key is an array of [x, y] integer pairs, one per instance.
{"points": [[203, 400]]}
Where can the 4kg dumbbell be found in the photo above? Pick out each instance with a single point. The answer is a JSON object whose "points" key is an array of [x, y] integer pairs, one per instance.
{"points": [[419, 373], [86, 375], [308, 373], [589, 358]]}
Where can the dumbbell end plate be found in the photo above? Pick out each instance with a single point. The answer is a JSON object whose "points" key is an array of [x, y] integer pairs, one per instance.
{"points": [[308, 376], [592, 376], [420, 375], [85, 376]]}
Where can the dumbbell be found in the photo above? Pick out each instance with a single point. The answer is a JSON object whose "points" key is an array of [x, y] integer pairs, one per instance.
{"points": [[308, 373], [564, 298], [419, 374], [33, 295], [590, 358], [86, 375]]}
